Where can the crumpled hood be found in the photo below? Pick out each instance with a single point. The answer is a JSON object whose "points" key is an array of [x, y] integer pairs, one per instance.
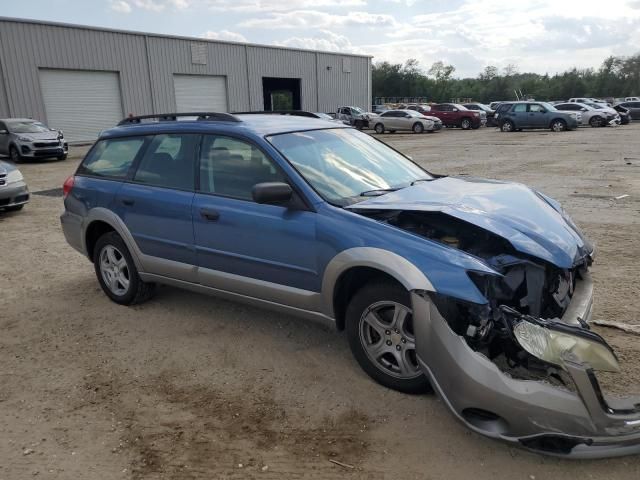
{"points": [[531, 222]]}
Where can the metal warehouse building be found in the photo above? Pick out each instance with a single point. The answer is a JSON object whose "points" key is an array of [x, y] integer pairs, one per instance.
{"points": [[84, 79]]}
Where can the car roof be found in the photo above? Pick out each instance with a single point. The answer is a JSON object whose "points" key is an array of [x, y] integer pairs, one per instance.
{"points": [[247, 124]]}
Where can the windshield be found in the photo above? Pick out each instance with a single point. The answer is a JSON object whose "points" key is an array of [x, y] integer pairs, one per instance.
{"points": [[548, 107], [594, 105], [357, 110], [414, 113], [26, 126], [342, 164]]}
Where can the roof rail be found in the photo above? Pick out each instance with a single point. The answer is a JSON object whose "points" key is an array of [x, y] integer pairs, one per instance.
{"points": [[170, 117], [295, 113]]}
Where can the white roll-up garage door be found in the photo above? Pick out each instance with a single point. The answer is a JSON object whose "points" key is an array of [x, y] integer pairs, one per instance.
{"points": [[81, 103], [200, 93]]}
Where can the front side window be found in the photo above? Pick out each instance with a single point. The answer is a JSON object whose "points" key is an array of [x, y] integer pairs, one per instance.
{"points": [[112, 157], [169, 162], [534, 107], [231, 167], [345, 165]]}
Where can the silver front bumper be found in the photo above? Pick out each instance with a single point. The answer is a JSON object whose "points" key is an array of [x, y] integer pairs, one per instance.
{"points": [[14, 194], [533, 414]]}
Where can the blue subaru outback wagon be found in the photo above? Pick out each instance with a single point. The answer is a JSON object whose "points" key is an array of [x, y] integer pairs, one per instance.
{"points": [[476, 288]]}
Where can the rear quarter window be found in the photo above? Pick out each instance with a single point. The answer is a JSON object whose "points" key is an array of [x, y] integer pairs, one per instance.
{"points": [[112, 158]]}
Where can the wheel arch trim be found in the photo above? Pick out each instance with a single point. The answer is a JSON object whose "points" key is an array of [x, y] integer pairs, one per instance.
{"points": [[100, 214], [405, 272]]}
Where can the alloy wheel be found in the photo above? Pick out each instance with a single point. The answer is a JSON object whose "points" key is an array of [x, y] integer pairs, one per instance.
{"points": [[386, 333], [114, 270], [558, 126]]}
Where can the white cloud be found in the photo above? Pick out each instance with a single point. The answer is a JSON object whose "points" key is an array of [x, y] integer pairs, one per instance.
{"points": [[126, 6], [255, 6], [120, 6], [225, 35], [315, 19], [326, 41]]}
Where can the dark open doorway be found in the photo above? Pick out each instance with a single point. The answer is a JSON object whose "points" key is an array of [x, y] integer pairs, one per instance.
{"points": [[281, 93]]}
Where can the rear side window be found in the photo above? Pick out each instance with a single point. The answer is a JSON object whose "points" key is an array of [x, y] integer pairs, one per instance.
{"points": [[112, 158], [169, 161], [231, 167], [520, 107]]}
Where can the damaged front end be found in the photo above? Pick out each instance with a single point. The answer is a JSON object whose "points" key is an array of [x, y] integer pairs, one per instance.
{"points": [[519, 367]]}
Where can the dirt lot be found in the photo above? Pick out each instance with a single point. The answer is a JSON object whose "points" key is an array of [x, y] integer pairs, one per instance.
{"points": [[189, 387]]}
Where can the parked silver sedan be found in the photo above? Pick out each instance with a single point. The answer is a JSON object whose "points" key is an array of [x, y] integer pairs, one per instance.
{"points": [[393, 120]]}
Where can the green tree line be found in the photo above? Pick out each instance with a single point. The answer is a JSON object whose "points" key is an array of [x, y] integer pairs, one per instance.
{"points": [[616, 77]]}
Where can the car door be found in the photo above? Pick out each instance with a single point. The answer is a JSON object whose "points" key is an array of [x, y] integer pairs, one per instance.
{"points": [[441, 112], [252, 249], [156, 205], [537, 116], [404, 121], [390, 119], [520, 116], [4, 139]]}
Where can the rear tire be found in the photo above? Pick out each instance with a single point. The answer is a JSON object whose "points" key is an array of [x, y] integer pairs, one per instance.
{"points": [[379, 128], [117, 272], [379, 324], [417, 128]]}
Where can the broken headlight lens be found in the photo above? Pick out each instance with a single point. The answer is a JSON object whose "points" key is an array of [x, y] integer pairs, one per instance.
{"points": [[554, 346]]}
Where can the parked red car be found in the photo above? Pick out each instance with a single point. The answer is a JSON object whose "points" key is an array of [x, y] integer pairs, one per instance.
{"points": [[454, 115]]}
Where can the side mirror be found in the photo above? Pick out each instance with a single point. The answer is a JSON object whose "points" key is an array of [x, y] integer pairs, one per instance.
{"points": [[543, 111], [455, 110], [3, 132], [583, 109], [271, 192]]}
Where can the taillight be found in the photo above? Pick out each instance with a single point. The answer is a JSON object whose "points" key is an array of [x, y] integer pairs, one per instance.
{"points": [[68, 186]]}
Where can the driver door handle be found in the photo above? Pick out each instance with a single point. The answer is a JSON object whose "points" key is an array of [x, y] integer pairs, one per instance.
{"points": [[209, 214]]}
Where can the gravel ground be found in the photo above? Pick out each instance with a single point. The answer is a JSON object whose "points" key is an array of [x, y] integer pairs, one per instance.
{"points": [[190, 387]]}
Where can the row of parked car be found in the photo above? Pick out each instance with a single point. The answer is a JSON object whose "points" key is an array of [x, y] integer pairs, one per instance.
{"points": [[507, 115]]}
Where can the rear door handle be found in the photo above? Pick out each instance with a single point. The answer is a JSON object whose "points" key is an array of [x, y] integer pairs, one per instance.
{"points": [[209, 214], [128, 201]]}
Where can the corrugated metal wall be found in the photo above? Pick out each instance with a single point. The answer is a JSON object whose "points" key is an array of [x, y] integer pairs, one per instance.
{"points": [[146, 64]]}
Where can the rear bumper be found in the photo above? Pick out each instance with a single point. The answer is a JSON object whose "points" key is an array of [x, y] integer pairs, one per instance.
{"points": [[532, 414], [14, 194], [72, 227]]}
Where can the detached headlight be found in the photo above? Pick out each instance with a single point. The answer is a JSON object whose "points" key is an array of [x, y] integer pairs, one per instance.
{"points": [[14, 176], [24, 139], [554, 346]]}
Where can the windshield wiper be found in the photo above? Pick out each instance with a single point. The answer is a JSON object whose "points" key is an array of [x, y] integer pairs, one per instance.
{"points": [[378, 191]]}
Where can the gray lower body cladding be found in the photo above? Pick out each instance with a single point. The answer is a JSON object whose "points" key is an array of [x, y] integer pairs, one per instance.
{"points": [[532, 414]]}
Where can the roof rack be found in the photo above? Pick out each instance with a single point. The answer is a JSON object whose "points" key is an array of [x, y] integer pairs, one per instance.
{"points": [[295, 113], [172, 117]]}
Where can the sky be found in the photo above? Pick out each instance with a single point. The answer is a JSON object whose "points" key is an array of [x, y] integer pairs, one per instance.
{"points": [[542, 36]]}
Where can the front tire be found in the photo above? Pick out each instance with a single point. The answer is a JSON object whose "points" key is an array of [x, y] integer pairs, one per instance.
{"points": [[417, 128], [558, 125], [15, 154], [117, 272], [379, 128], [62, 157], [379, 324], [507, 126], [465, 124], [596, 121]]}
